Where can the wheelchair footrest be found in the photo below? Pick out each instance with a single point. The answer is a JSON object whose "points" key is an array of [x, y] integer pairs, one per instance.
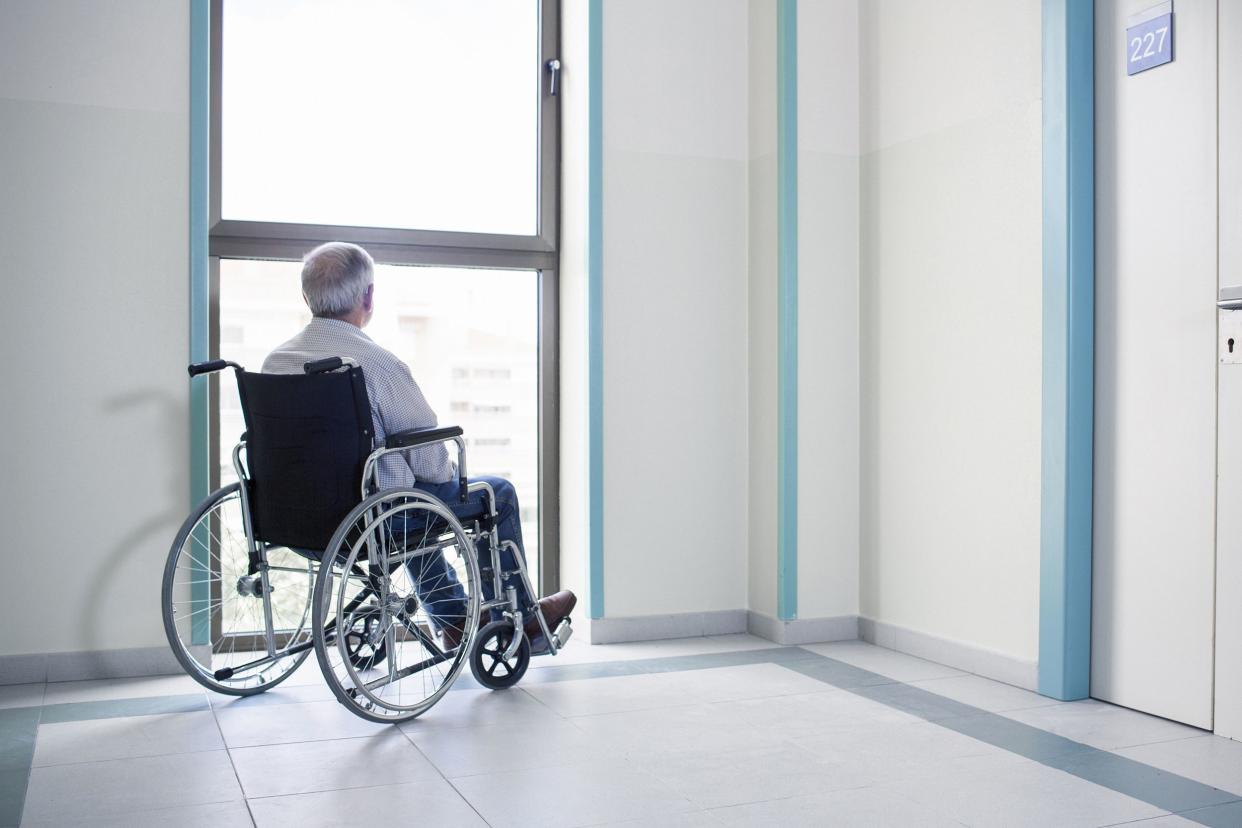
{"points": [[562, 632]]}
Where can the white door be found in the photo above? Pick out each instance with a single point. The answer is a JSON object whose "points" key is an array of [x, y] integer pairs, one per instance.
{"points": [[1229, 491], [1156, 368]]}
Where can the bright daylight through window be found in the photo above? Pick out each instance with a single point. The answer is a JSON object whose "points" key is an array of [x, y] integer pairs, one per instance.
{"points": [[424, 131], [419, 115]]}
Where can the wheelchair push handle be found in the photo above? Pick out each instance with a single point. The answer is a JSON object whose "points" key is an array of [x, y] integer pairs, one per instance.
{"points": [[321, 366], [211, 366]]}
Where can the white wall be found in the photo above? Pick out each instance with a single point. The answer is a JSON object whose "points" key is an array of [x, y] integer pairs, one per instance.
{"points": [[762, 310], [93, 256], [828, 233], [951, 320], [93, 246], [675, 306]]}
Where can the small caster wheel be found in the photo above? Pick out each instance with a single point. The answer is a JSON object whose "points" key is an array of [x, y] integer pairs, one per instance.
{"points": [[487, 660], [362, 653]]}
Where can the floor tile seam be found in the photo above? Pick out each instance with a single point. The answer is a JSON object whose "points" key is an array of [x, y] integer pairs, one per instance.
{"points": [[622, 758], [540, 702], [236, 774], [132, 758], [123, 758], [1206, 807], [1117, 748], [265, 705], [257, 798], [375, 735], [887, 787], [1139, 821], [129, 812], [431, 763], [57, 710], [675, 706], [337, 788], [466, 799]]}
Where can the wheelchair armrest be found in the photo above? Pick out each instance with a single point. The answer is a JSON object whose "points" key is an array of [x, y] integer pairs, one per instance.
{"points": [[421, 437]]}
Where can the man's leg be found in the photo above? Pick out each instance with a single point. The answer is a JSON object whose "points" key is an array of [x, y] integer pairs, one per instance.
{"points": [[509, 528], [436, 584]]}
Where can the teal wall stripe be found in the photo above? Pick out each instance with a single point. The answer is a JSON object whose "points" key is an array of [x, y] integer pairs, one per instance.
{"points": [[787, 307], [200, 287], [200, 295], [595, 311], [1068, 348]]}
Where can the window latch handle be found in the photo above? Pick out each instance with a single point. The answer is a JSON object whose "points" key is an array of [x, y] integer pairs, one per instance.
{"points": [[554, 73]]}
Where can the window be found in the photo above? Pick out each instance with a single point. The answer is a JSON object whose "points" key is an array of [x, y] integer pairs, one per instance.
{"points": [[381, 114], [425, 131]]}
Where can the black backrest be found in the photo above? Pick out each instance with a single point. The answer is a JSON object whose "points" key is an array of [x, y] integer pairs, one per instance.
{"points": [[307, 438]]}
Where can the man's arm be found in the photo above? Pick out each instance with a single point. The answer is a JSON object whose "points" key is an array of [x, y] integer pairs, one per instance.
{"points": [[401, 406]]}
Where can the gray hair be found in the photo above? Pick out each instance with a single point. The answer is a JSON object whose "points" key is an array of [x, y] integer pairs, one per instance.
{"points": [[335, 276]]}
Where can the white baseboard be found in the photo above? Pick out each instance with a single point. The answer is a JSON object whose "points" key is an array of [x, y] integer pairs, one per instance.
{"points": [[659, 627], [802, 630], [100, 664], [969, 657]]}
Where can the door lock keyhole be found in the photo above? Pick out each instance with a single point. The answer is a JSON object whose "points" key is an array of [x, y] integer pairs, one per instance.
{"points": [[1230, 344]]}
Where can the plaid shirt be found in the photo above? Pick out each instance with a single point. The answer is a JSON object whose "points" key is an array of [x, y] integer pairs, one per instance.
{"points": [[397, 403]]}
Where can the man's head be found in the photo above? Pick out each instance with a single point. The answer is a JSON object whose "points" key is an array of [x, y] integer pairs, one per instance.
{"points": [[338, 282]]}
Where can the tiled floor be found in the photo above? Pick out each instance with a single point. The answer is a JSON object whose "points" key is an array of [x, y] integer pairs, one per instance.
{"points": [[724, 731]]}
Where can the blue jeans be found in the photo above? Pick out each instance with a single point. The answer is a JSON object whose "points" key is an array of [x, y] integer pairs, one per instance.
{"points": [[436, 582]]}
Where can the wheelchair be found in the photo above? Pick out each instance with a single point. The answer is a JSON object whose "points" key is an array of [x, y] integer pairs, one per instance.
{"points": [[306, 552]]}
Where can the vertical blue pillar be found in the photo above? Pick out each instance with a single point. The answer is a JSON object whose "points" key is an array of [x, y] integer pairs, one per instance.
{"points": [[595, 311], [200, 300], [1068, 348], [787, 308]]}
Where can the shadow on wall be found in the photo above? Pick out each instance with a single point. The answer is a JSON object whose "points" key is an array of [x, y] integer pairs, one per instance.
{"points": [[135, 561]]}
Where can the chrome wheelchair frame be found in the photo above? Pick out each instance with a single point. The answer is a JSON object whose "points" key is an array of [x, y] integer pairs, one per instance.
{"points": [[499, 651]]}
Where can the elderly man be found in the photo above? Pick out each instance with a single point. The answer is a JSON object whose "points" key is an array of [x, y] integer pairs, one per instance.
{"points": [[338, 286]]}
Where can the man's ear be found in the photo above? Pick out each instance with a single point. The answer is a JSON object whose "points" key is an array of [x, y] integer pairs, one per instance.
{"points": [[368, 297]]}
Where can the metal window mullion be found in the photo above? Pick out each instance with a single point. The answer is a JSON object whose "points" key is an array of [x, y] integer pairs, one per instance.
{"points": [[312, 233], [216, 109], [549, 126], [226, 247], [549, 432]]}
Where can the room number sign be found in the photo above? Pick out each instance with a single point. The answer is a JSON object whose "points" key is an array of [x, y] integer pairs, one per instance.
{"points": [[1149, 38]]}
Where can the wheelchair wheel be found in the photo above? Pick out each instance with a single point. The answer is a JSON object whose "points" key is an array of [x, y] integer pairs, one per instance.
{"points": [[402, 561], [361, 629], [215, 615], [487, 661]]}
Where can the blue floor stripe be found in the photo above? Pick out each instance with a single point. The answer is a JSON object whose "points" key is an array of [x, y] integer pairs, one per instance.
{"points": [[12, 796], [18, 729], [1159, 788], [116, 708]]}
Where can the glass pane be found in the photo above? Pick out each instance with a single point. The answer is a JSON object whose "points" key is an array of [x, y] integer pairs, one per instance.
{"points": [[415, 114], [470, 338]]}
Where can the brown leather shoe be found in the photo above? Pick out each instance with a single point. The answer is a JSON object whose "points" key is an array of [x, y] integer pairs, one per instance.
{"points": [[555, 607], [451, 630]]}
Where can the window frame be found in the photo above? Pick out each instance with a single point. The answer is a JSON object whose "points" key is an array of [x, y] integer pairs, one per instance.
{"points": [[236, 239]]}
